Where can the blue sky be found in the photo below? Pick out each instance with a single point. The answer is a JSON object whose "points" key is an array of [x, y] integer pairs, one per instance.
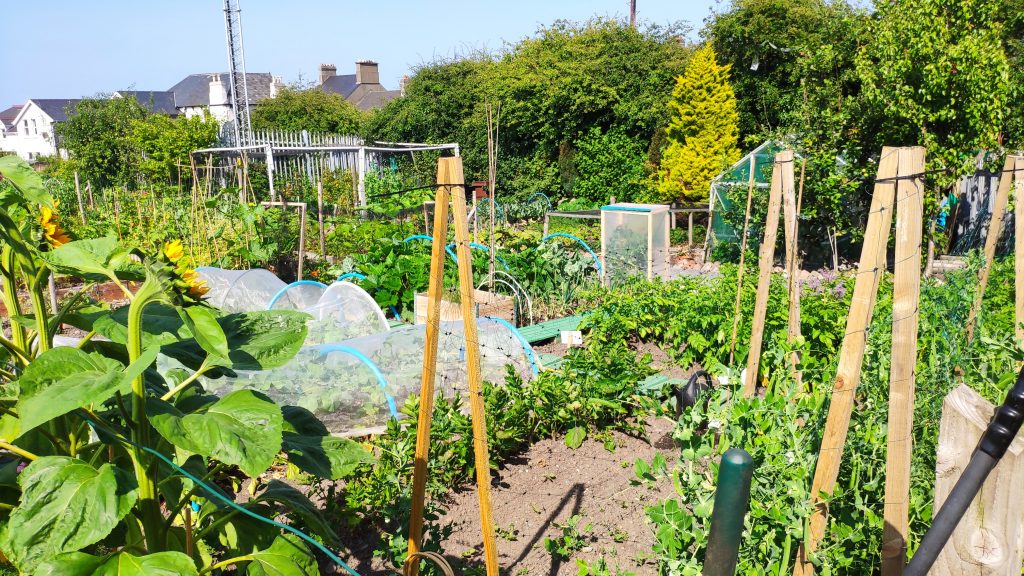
{"points": [[74, 48]]}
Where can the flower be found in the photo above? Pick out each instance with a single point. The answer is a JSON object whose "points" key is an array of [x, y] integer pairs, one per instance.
{"points": [[173, 250], [196, 287], [52, 230]]}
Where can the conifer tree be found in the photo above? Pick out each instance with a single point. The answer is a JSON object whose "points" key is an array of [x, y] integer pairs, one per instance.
{"points": [[703, 133]]}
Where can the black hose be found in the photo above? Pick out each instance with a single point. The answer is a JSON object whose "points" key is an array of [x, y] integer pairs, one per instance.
{"points": [[1001, 431]]}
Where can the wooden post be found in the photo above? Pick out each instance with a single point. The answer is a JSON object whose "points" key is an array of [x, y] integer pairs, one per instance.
{"points": [[92, 200], [783, 161], [1018, 245], [995, 227], [270, 172], [302, 238], [476, 398], [743, 255], [81, 204], [547, 222], [792, 266], [989, 540], [851, 355], [906, 297], [689, 232], [117, 215], [435, 291], [320, 218]]}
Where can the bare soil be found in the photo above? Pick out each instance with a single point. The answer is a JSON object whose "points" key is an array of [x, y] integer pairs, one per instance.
{"points": [[537, 494]]}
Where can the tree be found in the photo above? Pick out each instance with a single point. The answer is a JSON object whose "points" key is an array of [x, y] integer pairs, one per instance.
{"points": [[166, 142], [96, 136], [314, 110], [703, 132], [937, 74], [553, 89], [765, 42], [608, 164]]}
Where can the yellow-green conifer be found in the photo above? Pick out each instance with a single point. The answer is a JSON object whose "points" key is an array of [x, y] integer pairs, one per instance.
{"points": [[703, 133]]}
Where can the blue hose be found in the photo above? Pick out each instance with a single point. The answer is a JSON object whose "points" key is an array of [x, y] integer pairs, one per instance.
{"points": [[527, 349], [224, 499], [597, 261], [281, 292], [369, 364]]}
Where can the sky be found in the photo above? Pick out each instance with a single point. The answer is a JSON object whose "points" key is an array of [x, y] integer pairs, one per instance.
{"points": [[75, 48]]}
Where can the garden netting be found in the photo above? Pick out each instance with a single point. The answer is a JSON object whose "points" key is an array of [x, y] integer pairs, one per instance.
{"points": [[355, 386], [340, 311]]}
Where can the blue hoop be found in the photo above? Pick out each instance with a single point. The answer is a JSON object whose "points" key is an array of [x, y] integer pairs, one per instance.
{"points": [[429, 239], [369, 364], [281, 292], [597, 261], [527, 349]]}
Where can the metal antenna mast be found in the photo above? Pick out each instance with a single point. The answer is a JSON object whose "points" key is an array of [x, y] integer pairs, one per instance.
{"points": [[239, 90]]}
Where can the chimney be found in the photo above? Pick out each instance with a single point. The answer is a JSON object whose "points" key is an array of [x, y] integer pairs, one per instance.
{"points": [[327, 71], [366, 72], [218, 95], [403, 84]]}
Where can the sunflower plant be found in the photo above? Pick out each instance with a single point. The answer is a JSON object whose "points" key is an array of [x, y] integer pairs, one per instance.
{"points": [[112, 461]]}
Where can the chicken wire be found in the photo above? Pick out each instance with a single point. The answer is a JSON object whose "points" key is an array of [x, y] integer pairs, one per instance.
{"points": [[355, 386]]}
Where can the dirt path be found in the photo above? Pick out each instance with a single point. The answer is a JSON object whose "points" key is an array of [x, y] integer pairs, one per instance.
{"points": [[538, 494]]}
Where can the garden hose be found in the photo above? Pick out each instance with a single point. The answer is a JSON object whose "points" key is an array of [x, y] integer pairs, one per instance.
{"points": [[1001, 431], [224, 499]]}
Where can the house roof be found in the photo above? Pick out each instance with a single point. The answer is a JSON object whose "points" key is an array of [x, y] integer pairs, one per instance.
{"points": [[7, 116], [194, 89], [376, 99], [55, 108], [156, 101], [344, 84]]}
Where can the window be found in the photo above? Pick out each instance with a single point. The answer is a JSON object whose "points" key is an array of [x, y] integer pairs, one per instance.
{"points": [[25, 122], [35, 129]]}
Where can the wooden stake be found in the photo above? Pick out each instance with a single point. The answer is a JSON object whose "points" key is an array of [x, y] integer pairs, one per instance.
{"points": [[435, 291], [302, 238], [765, 262], [906, 297], [989, 540], [995, 228], [792, 265], [320, 218], [476, 398], [81, 204], [851, 355], [1018, 245], [743, 255]]}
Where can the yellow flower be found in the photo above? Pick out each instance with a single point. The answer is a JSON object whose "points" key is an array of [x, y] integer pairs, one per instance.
{"points": [[52, 230], [196, 287], [174, 250]]}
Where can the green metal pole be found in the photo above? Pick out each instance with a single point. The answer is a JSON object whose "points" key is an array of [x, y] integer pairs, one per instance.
{"points": [[732, 498]]}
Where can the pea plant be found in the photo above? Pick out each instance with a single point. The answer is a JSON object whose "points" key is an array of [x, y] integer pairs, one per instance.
{"points": [[113, 463]]}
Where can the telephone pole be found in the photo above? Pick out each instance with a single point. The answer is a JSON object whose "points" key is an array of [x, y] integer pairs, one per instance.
{"points": [[632, 14]]}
